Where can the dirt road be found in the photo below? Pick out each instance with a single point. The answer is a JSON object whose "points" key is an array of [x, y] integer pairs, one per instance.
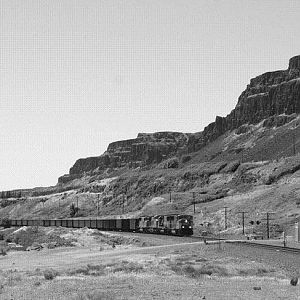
{"points": [[62, 258]]}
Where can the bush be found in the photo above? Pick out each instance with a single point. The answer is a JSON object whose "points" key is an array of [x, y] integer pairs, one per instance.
{"points": [[50, 274], [127, 267], [194, 272], [5, 222], [96, 295], [185, 158], [73, 210], [173, 163], [3, 250]]}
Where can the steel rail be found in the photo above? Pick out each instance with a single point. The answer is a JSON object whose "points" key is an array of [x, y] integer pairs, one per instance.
{"points": [[267, 246]]}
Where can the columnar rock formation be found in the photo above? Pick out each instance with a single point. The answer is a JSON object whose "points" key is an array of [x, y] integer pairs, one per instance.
{"points": [[268, 95], [145, 149]]}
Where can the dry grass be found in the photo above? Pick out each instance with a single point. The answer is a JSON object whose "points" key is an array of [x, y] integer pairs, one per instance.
{"points": [[96, 295], [106, 269], [196, 271]]}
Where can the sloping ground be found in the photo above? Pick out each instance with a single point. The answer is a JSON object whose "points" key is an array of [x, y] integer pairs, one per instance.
{"points": [[220, 174], [174, 271]]}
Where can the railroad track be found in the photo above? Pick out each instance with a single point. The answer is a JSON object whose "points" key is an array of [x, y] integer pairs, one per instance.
{"points": [[207, 238], [267, 246]]}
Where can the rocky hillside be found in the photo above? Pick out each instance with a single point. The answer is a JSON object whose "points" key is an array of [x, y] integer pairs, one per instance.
{"points": [[248, 161], [272, 97], [146, 149]]}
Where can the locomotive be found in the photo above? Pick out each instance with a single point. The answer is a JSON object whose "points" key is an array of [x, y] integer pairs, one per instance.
{"points": [[167, 224], [173, 224]]}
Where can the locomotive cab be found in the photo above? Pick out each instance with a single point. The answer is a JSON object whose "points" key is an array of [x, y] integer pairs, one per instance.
{"points": [[185, 225]]}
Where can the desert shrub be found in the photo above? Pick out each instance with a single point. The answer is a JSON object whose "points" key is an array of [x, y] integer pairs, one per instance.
{"points": [[50, 274], [210, 269], [89, 270], [5, 222], [96, 295], [73, 210], [171, 163], [194, 272], [96, 270], [127, 267], [255, 271], [81, 270], [185, 158], [3, 250]]}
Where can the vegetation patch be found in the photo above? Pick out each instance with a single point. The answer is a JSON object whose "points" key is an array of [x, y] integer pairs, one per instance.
{"points": [[196, 271], [3, 249], [96, 295], [34, 236], [50, 274], [105, 269]]}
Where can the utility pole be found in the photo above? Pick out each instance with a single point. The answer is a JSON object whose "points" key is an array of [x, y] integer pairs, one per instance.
{"points": [[170, 196], [123, 202], [194, 202], [268, 223], [225, 215], [77, 203], [243, 219], [98, 204], [294, 142]]}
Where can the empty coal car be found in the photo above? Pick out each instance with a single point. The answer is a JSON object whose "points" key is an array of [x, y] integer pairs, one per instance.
{"points": [[101, 224]]}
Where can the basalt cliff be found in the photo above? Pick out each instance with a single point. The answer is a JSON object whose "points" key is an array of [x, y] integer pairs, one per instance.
{"points": [[273, 97]]}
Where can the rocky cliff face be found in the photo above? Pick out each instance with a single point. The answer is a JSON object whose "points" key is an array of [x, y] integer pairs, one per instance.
{"points": [[268, 95], [145, 149]]}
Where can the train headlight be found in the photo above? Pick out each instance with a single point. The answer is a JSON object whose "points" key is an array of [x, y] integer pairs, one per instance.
{"points": [[190, 226]]}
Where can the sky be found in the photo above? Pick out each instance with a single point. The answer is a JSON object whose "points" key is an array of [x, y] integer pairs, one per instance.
{"points": [[76, 75]]}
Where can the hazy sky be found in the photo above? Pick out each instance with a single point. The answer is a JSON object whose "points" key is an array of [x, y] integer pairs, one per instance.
{"points": [[77, 75]]}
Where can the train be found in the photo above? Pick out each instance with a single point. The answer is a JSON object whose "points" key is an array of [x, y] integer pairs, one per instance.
{"points": [[172, 224]]}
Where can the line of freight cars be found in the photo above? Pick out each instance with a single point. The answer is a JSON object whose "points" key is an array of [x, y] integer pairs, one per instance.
{"points": [[165, 224], [106, 224]]}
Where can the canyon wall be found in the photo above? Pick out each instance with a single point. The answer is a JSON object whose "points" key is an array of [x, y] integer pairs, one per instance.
{"points": [[268, 95]]}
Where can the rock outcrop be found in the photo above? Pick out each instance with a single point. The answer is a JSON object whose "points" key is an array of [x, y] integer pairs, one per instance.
{"points": [[267, 96], [145, 149]]}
